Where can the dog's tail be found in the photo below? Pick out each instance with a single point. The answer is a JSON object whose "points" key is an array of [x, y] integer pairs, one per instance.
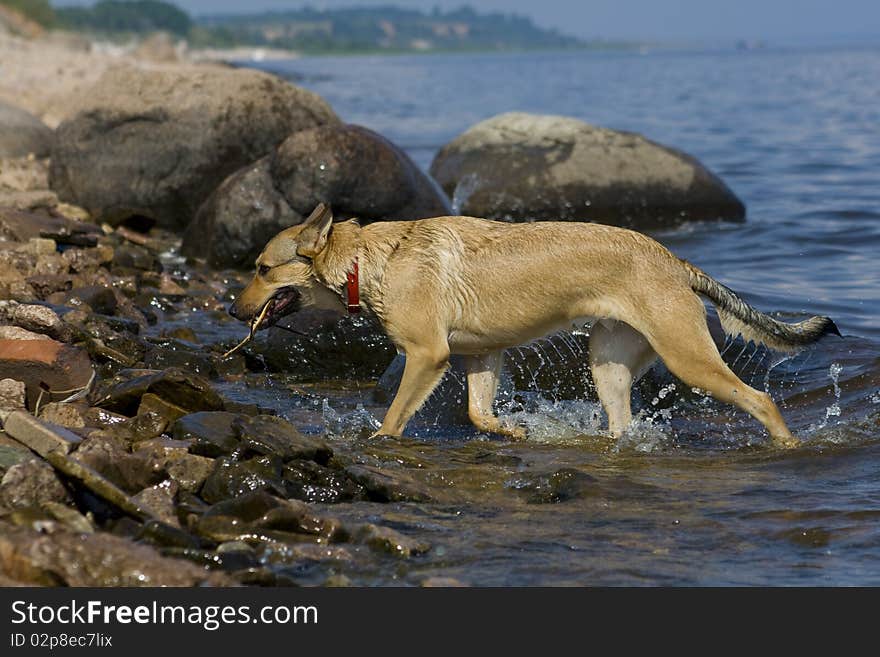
{"points": [[739, 318]]}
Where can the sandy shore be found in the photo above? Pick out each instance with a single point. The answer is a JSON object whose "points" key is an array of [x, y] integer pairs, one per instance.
{"points": [[44, 76]]}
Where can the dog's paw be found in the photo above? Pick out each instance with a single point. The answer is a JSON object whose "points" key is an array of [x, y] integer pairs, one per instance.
{"points": [[786, 442], [513, 432]]}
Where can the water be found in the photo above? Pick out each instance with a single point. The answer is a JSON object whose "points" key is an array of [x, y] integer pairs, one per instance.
{"points": [[692, 494]]}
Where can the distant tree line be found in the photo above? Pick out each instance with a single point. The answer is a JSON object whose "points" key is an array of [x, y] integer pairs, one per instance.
{"points": [[379, 28], [357, 29], [115, 16]]}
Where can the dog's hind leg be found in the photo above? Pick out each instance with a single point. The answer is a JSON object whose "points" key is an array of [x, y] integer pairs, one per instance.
{"points": [[619, 355], [423, 370], [483, 373], [682, 339]]}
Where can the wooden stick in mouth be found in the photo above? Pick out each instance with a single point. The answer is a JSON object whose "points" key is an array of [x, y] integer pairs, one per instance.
{"points": [[255, 324]]}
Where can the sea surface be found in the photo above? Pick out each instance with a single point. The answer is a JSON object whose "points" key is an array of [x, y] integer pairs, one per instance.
{"points": [[693, 495]]}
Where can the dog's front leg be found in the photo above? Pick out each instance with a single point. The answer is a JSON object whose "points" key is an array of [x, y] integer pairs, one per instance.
{"points": [[423, 371], [483, 373]]}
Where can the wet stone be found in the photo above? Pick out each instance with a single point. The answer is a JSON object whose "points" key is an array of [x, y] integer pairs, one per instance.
{"points": [[131, 256], [107, 454], [232, 562], [30, 484], [559, 486], [260, 513], [166, 535], [188, 391], [102, 418], [168, 411], [311, 482], [211, 433], [159, 499], [270, 435], [189, 471], [97, 297], [388, 486], [385, 539], [148, 425], [297, 517], [184, 333], [232, 478], [164, 356], [97, 559]]}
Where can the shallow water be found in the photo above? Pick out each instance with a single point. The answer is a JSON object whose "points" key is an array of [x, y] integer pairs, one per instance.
{"points": [[693, 494]]}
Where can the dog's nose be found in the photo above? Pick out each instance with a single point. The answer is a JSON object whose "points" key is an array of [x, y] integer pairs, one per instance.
{"points": [[233, 310]]}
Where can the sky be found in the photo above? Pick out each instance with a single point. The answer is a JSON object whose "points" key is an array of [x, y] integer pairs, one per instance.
{"points": [[690, 20]]}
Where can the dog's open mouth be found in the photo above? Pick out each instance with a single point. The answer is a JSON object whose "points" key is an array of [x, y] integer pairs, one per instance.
{"points": [[284, 302]]}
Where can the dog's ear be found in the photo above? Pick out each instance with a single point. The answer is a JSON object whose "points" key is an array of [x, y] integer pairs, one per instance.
{"points": [[313, 237]]}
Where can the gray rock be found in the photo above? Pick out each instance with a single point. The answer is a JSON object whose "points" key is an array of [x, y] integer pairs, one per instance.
{"points": [[189, 471], [11, 397], [69, 415], [360, 173], [92, 480], [30, 484], [385, 539], [107, 455], [159, 499], [243, 213], [231, 478], [155, 143], [23, 134], [187, 391], [534, 167], [326, 346], [389, 486], [97, 559], [311, 482], [258, 512], [274, 436], [212, 433], [39, 436]]}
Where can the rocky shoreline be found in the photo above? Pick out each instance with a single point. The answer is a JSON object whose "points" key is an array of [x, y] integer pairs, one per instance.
{"points": [[121, 461]]}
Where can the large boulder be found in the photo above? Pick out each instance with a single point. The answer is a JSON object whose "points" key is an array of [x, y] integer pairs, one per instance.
{"points": [[357, 171], [22, 134], [156, 143], [534, 167], [243, 213]]}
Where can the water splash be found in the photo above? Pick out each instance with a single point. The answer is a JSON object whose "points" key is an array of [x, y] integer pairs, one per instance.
{"points": [[556, 422], [358, 421], [463, 191], [647, 433], [834, 409]]}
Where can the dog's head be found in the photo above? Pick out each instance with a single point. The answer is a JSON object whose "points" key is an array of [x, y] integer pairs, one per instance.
{"points": [[285, 277]]}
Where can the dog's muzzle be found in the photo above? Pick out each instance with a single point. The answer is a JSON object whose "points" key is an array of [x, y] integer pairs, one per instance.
{"points": [[285, 301]]}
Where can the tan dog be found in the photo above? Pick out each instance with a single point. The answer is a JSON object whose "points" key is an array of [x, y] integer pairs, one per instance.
{"points": [[460, 285]]}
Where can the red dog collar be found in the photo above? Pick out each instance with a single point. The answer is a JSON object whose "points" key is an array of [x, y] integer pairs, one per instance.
{"points": [[352, 288]]}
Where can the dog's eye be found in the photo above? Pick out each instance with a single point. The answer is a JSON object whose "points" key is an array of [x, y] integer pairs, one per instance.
{"points": [[263, 270]]}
